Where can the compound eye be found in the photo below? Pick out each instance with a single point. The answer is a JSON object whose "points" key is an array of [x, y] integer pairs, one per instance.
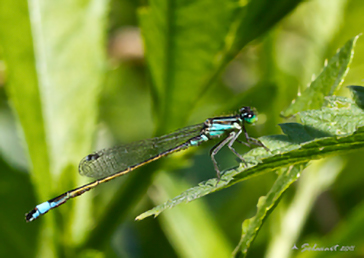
{"points": [[248, 115], [251, 118]]}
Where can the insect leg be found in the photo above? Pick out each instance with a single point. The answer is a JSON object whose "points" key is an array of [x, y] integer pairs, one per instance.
{"points": [[251, 140], [230, 145], [217, 148]]}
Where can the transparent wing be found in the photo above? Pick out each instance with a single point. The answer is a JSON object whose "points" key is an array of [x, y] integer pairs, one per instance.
{"points": [[112, 160]]}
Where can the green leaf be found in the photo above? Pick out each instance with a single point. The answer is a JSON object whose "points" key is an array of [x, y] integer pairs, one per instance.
{"points": [[55, 62], [317, 137], [252, 226], [358, 95], [186, 51], [327, 83], [196, 234], [23, 92], [255, 18], [25, 100], [181, 49], [314, 181]]}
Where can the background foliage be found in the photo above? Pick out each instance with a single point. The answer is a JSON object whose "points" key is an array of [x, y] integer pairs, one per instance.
{"points": [[74, 78]]}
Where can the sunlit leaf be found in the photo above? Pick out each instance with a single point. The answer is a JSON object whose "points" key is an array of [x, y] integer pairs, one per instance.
{"points": [[326, 83], [55, 58], [317, 137], [265, 204]]}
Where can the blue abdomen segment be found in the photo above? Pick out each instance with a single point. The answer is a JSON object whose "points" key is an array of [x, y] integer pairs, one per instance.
{"points": [[44, 208], [39, 210]]}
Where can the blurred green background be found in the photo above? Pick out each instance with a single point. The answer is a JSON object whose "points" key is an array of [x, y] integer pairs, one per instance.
{"points": [[77, 76]]}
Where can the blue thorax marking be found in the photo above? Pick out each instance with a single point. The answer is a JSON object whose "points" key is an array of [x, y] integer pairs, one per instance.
{"points": [[199, 139], [219, 126]]}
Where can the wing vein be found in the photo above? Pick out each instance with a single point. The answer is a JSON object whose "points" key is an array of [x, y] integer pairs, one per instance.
{"points": [[113, 160]]}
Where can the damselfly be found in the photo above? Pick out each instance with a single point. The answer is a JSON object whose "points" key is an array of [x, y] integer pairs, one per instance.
{"points": [[110, 163]]}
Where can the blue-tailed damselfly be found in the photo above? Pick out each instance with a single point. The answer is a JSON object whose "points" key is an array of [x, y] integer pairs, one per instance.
{"points": [[114, 162]]}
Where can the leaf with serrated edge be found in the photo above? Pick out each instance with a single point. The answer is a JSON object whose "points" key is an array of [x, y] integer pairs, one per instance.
{"points": [[300, 143], [265, 204], [326, 83]]}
